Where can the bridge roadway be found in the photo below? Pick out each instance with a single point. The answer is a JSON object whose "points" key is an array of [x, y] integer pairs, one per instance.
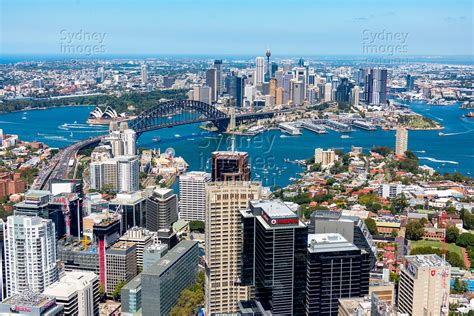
{"points": [[57, 168]]}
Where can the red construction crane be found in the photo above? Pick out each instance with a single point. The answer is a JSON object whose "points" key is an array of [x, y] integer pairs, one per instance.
{"points": [[444, 306], [67, 214]]}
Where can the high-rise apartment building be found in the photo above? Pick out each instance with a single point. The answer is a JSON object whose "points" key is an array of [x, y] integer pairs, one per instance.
{"points": [[355, 93], [324, 157], [30, 254], [424, 285], [336, 269], [274, 256], [192, 195], [78, 292], [260, 70], [119, 174], [401, 142], [327, 92], [144, 74], [230, 166], [161, 209], [121, 264], [224, 200]]}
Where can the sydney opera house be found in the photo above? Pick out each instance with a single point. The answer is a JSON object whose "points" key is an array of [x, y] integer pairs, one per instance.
{"points": [[104, 117]]}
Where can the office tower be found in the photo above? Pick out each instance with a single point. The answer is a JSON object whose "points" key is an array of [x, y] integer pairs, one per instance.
{"points": [[77, 292], [249, 93], [336, 269], [327, 92], [352, 228], [122, 140], [343, 91], [31, 303], [422, 290], [192, 195], [30, 254], [401, 142], [59, 186], [118, 174], [132, 208], [100, 74], [259, 71], [355, 92], [219, 78], [131, 297], [224, 200], [163, 282], [142, 237], [230, 166], [297, 92], [69, 213], [410, 85], [273, 69], [121, 264], [168, 82], [279, 95], [272, 87], [161, 209], [211, 81], [205, 94], [376, 86], [324, 157], [235, 88], [144, 74], [274, 256], [152, 254], [287, 77]]}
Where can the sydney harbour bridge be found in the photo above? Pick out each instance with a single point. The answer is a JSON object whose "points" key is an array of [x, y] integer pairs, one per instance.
{"points": [[162, 115]]}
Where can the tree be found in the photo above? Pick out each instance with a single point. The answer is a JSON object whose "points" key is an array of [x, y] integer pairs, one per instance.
{"points": [[414, 230], [118, 289], [465, 240], [382, 150], [394, 277], [452, 234], [394, 233], [459, 286], [190, 298], [196, 226], [399, 202], [453, 258], [371, 226]]}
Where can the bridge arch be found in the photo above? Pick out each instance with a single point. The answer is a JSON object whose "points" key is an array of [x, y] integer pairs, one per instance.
{"points": [[157, 116]]}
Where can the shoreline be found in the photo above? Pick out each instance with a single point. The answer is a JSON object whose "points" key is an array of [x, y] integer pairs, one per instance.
{"points": [[45, 108]]}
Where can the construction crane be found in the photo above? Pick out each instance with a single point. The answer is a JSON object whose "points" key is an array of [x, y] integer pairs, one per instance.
{"points": [[444, 307]]}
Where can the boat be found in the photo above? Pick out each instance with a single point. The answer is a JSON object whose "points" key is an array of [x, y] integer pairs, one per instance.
{"points": [[293, 179], [23, 117], [156, 139], [470, 114], [177, 135], [441, 134], [345, 136]]}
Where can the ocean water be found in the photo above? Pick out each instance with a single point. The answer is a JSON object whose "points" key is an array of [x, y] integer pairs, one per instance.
{"points": [[59, 127]]}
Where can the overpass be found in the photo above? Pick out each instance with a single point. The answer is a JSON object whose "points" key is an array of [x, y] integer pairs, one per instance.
{"points": [[163, 115]]}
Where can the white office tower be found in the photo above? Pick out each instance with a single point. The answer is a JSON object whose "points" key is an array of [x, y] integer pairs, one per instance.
{"points": [[144, 74], [260, 70], [327, 92], [205, 94], [424, 285], [100, 74], [297, 92], [78, 292], [250, 92], [30, 254], [128, 173], [129, 138], [192, 195]]}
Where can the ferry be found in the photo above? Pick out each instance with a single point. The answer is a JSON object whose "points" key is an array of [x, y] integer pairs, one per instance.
{"points": [[441, 134], [156, 139], [290, 129], [470, 114], [345, 136]]}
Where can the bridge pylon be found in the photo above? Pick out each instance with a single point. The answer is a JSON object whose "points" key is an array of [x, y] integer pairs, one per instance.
{"points": [[232, 123]]}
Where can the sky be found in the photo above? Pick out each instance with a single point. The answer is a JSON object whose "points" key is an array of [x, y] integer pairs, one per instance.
{"points": [[241, 27]]}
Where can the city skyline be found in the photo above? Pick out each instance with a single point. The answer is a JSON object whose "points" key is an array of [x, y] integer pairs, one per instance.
{"points": [[326, 28]]}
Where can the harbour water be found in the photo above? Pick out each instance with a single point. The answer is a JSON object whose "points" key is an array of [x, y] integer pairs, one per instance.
{"points": [[59, 127]]}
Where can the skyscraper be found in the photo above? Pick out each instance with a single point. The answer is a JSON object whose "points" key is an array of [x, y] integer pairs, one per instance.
{"points": [[121, 264], [410, 85], [422, 290], [335, 269], [211, 81], [401, 143], [192, 195], [235, 88], [260, 70], [230, 166], [296, 92], [327, 92], [219, 78], [144, 74], [376, 86], [274, 256], [224, 200], [324, 157], [161, 209], [30, 254], [355, 92], [343, 91]]}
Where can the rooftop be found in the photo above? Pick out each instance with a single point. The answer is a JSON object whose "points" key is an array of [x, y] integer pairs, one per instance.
{"points": [[329, 242], [28, 298], [423, 261], [273, 208], [170, 258]]}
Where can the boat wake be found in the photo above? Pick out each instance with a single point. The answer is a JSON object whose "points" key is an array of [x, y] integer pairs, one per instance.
{"points": [[459, 133], [420, 151], [439, 161]]}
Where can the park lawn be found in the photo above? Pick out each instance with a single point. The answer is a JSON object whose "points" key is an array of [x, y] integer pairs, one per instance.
{"points": [[437, 244]]}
